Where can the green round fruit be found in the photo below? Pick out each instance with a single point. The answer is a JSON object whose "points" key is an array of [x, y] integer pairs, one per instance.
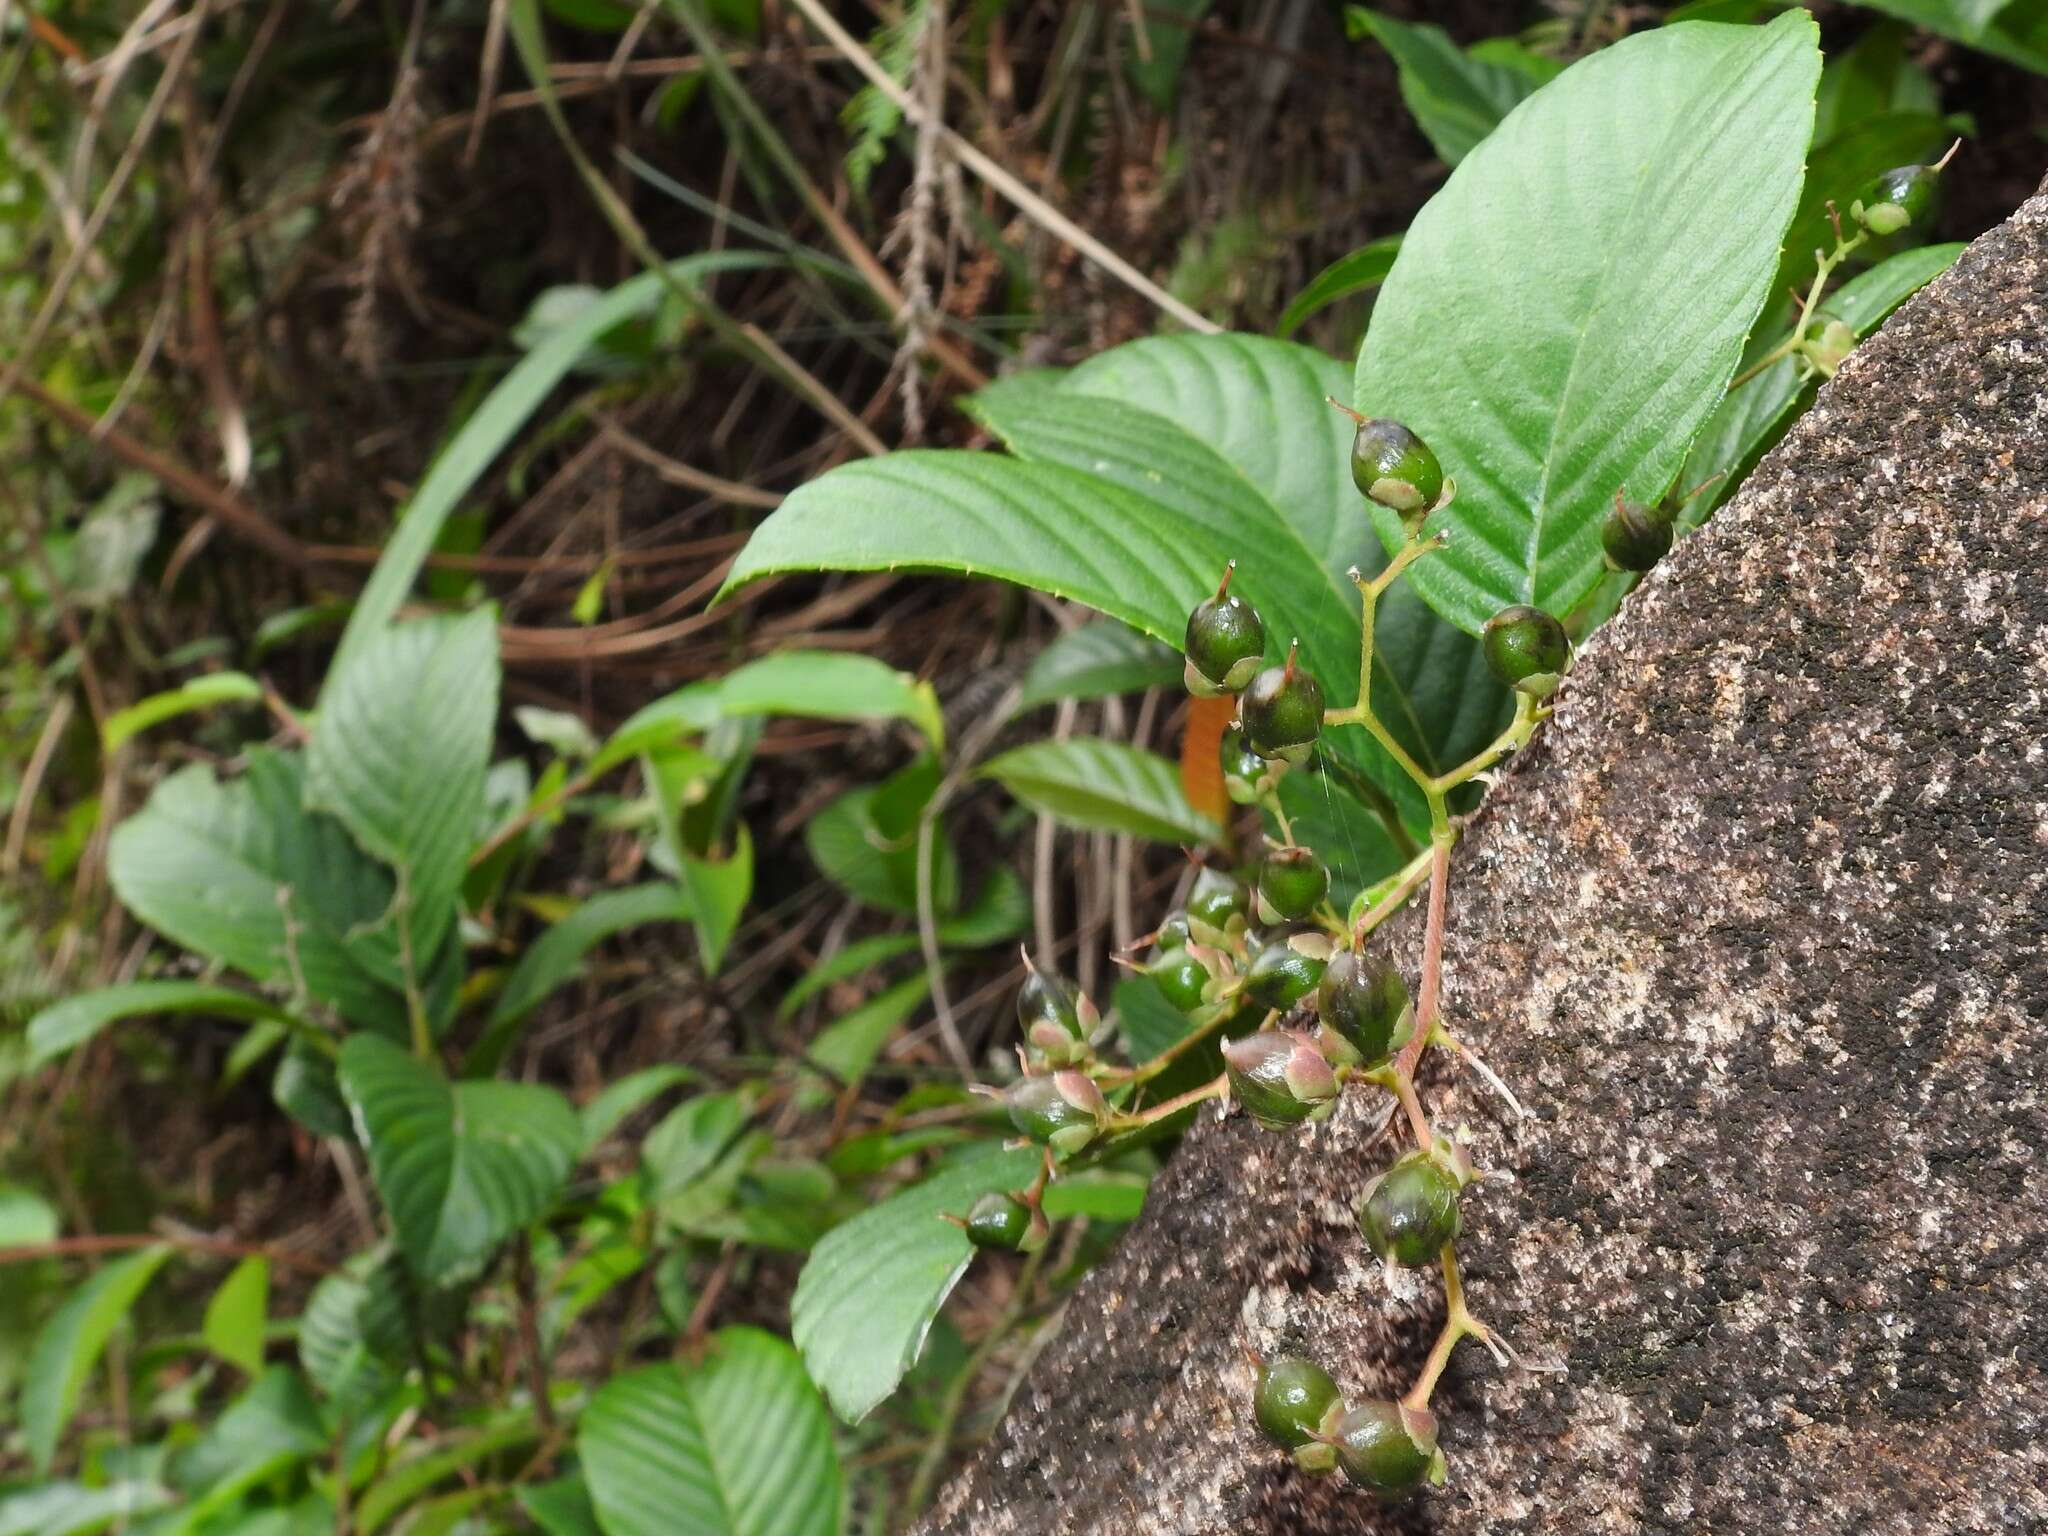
{"points": [[1392, 466], [1902, 201], [1057, 1018], [1387, 1449], [1173, 932], [1065, 1110], [1218, 909], [1282, 712], [1365, 1004], [1286, 969], [998, 1220], [1180, 977], [1526, 649], [1635, 537], [1226, 640], [1279, 1077], [1292, 883], [1295, 1402], [1411, 1211], [1247, 777]]}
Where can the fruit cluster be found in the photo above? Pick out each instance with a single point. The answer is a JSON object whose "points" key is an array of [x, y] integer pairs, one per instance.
{"points": [[1261, 962]]}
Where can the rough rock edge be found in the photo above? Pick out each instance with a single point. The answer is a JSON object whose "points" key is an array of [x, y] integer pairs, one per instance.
{"points": [[1757, 928]]}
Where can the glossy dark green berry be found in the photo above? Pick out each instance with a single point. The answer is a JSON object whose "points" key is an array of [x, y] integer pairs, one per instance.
{"points": [[1902, 200], [1286, 968], [1282, 712], [1526, 649], [1280, 1077], [1410, 1211], [1173, 932], [1388, 1449], [1247, 777], [1058, 1020], [1292, 883], [1392, 466], [1219, 907], [1000, 1220], [1635, 537], [1226, 641], [1365, 1004], [1298, 1406], [1183, 980], [1065, 1110]]}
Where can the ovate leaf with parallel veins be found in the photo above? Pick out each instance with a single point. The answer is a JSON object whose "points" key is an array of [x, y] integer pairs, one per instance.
{"points": [[866, 1299], [738, 1445], [238, 872], [1105, 786], [461, 1166], [1565, 314], [400, 754]]}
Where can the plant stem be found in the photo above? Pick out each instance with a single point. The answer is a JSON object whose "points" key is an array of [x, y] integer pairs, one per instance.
{"points": [[1824, 268], [1172, 1106], [1458, 1323], [1529, 714], [1145, 1071]]}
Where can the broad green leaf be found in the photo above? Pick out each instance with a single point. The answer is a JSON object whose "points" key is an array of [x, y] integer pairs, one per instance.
{"points": [[69, 1347], [305, 1088], [1752, 418], [502, 415], [629, 1094], [399, 757], [830, 685], [461, 1166], [67, 1025], [561, 1508], [72, 1509], [1359, 272], [1149, 1023], [848, 1046], [979, 514], [2012, 29], [1565, 314], [1456, 98], [1872, 76], [1235, 434], [355, 1335], [866, 842], [689, 1141], [1138, 476], [239, 873], [238, 1313], [1105, 1194], [1837, 171], [267, 1430], [200, 693], [718, 891], [1096, 661], [738, 1445], [867, 1297], [557, 956], [1104, 786]]}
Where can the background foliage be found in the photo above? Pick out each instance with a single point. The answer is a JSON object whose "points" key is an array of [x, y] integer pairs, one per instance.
{"points": [[484, 1028]]}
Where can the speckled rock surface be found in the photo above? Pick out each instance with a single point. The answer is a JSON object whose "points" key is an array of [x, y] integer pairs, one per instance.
{"points": [[1759, 927]]}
